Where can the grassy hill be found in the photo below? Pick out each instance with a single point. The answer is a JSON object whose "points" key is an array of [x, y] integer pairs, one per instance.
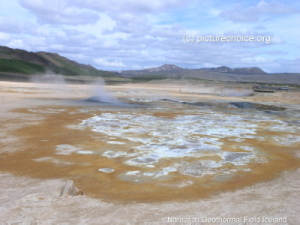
{"points": [[23, 62], [19, 66]]}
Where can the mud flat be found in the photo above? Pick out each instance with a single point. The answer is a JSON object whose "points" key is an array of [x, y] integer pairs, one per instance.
{"points": [[167, 161]]}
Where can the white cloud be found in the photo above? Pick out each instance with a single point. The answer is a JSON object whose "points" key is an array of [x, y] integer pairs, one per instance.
{"points": [[4, 36], [131, 6], [210, 65], [258, 12], [13, 25], [104, 62], [214, 12], [59, 12], [16, 43], [130, 34]]}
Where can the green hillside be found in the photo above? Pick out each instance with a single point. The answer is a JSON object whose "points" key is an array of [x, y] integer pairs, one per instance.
{"points": [[18, 66], [24, 62]]}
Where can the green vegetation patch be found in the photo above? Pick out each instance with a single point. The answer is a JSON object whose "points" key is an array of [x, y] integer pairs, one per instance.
{"points": [[73, 69], [18, 66]]}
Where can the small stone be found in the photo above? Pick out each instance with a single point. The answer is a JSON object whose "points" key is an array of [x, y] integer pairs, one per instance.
{"points": [[70, 189]]}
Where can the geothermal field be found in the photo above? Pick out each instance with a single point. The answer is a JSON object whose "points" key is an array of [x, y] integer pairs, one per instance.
{"points": [[148, 153]]}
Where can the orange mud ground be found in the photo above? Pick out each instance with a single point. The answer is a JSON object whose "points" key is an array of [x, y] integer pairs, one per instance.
{"points": [[35, 120], [83, 168]]}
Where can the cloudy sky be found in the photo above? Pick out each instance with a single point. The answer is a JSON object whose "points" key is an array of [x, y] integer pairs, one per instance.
{"points": [[134, 34]]}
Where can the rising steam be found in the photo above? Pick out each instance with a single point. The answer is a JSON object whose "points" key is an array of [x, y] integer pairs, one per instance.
{"points": [[100, 94], [49, 81]]}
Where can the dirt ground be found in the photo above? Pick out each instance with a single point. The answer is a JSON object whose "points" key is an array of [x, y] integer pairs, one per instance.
{"points": [[32, 200]]}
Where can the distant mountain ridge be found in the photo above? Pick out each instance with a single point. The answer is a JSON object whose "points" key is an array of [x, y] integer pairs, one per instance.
{"points": [[24, 62], [222, 73], [221, 69], [225, 69], [165, 67]]}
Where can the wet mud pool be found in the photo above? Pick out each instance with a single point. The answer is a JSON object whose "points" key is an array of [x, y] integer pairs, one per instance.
{"points": [[160, 152]]}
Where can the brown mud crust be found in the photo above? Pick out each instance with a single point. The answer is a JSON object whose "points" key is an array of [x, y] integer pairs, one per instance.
{"points": [[39, 159]]}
